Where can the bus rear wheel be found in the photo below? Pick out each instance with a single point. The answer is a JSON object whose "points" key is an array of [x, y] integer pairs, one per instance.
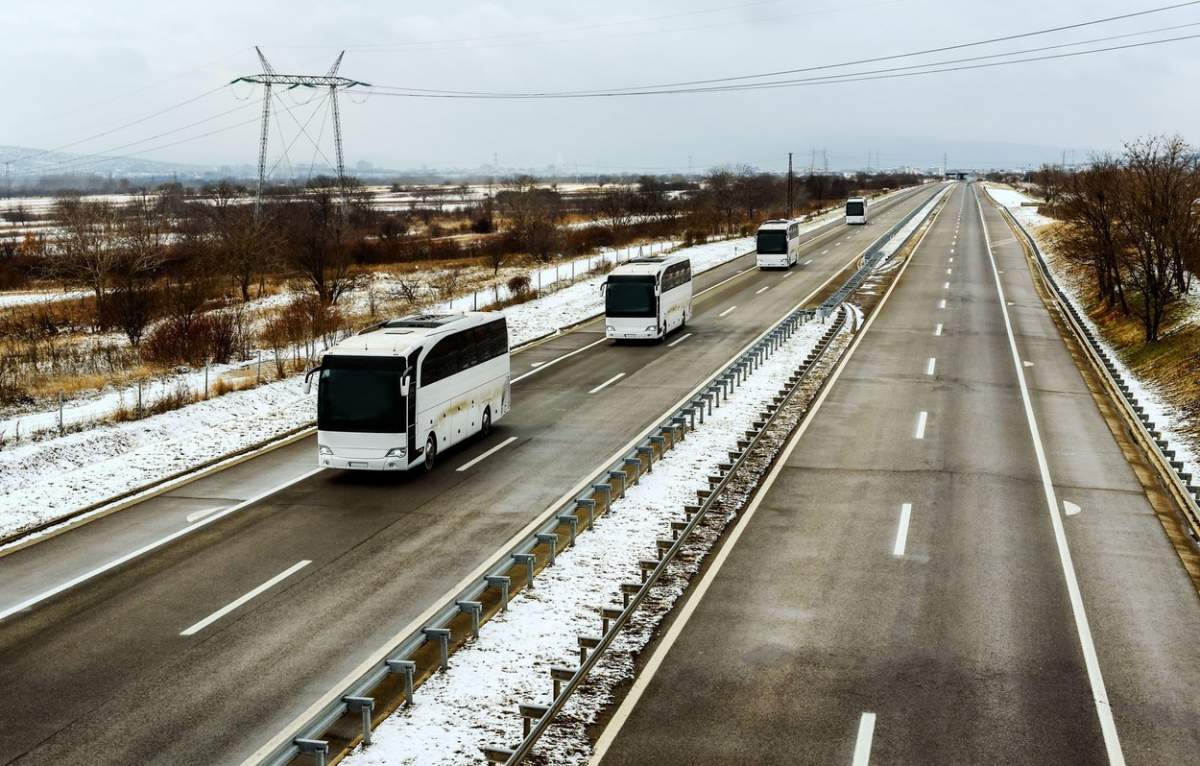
{"points": [[485, 425], [430, 452]]}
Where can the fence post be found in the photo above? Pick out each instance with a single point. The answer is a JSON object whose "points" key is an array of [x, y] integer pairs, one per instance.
{"points": [[258, 372], [60, 413], [139, 398], [205, 378]]}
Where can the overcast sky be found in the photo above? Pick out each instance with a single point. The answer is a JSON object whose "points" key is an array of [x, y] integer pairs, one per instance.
{"points": [[80, 68]]}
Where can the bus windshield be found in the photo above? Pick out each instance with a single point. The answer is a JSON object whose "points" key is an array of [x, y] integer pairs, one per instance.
{"points": [[854, 208], [361, 394], [772, 242], [630, 296]]}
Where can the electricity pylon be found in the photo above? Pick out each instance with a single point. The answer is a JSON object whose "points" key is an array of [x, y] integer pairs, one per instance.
{"points": [[269, 77]]}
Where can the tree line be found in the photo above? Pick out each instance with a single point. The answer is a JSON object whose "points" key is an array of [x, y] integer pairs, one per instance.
{"points": [[1131, 221]]}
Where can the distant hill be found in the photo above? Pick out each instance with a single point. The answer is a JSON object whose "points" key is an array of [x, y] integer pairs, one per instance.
{"points": [[27, 164]]}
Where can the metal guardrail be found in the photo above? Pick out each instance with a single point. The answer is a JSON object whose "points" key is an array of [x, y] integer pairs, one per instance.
{"points": [[870, 260], [591, 648], [1186, 490], [458, 620]]}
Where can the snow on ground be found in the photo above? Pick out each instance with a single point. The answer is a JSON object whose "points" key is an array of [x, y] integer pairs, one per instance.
{"points": [[43, 480], [1161, 413], [8, 300], [475, 702], [892, 245]]}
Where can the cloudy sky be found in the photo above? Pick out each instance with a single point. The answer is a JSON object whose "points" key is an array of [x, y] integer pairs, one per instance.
{"points": [[81, 69]]}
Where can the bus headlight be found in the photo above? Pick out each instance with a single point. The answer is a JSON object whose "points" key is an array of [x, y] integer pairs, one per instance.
{"points": [[397, 452], [324, 450]]}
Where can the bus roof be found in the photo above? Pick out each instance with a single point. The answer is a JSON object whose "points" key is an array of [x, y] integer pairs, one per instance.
{"points": [[648, 264], [396, 337], [776, 223]]}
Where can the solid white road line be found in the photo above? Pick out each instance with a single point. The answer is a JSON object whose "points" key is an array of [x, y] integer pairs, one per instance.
{"points": [[487, 454], [726, 311], [209, 620], [762, 289], [607, 383], [1108, 726], [642, 681], [902, 529], [75, 581], [929, 368], [922, 418], [862, 744], [678, 340], [556, 360], [938, 330]]}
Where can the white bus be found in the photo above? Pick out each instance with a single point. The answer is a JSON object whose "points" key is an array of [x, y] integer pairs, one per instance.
{"points": [[778, 244], [856, 210], [646, 298], [395, 395]]}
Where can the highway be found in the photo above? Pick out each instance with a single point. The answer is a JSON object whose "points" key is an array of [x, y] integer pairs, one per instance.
{"points": [[953, 561], [199, 650]]}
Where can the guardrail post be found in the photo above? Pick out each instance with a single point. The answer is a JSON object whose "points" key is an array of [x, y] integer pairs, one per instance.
{"points": [[622, 477], [497, 754], [362, 706], [680, 423], [530, 713], [649, 453], [550, 540], [529, 560], [318, 747], [475, 609], [504, 583], [589, 505], [607, 489], [607, 615], [560, 675], [636, 464], [661, 443], [572, 521], [586, 643], [442, 636], [407, 668]]}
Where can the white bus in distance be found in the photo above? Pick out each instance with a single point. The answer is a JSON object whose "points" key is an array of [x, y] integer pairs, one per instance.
{"points": [[778, 244], [398, 393], [856, 210], [646, 298]]}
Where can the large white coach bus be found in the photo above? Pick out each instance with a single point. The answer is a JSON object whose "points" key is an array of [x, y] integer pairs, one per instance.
{"points": [[646, 298], [778, 244], [856, 210], [395, 395]]}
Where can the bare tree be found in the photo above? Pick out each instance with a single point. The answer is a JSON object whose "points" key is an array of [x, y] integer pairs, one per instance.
{"points": [[315, 250], [86, 251]]}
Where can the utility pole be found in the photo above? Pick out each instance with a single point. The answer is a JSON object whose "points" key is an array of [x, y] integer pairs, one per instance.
{"points": [[789, 215], [268, 78]]}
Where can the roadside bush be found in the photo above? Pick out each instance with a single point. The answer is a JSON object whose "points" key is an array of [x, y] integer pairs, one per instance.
{"points": [[212, 337], [519, 285]]}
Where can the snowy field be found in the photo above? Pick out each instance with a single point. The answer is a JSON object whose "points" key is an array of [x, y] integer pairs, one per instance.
{"points": [[475, 702], [1160, 411]]}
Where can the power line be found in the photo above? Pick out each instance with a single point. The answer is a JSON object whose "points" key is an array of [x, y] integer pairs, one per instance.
{"points": [[669, 87], [884, 74]]}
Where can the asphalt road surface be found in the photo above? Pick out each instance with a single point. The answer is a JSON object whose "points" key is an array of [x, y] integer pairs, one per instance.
{"points": [[198, 652], [911, 588]]}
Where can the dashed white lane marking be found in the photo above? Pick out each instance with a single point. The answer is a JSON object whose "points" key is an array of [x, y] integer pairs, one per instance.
{"points": [[951, 260], [942, 303], [487, 454], [1027, 363], [922, 417], [810, 260], [931, 365], [536, 364], [938, 330], [945, 285], [823, 252], [1071, 509], [762, 289], [556, 360], [862, 745], [902, 530], [726, 311], [949, 271], [607, 383], [197, 515], [676, 342], [209, 620]]}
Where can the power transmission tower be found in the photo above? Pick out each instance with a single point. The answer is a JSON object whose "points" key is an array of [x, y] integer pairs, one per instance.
{"points": [[268, 78]]}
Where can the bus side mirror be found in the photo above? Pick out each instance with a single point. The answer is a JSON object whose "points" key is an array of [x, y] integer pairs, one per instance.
{"points": [[603, 286], [404, 385], [308, 380]]}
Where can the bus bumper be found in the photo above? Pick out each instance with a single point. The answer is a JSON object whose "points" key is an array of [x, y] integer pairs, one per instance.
{"points": [[364, 464]]}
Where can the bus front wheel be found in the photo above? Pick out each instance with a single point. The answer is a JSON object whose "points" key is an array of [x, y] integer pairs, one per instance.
{"points": [[485, 425], [430, 452]]}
